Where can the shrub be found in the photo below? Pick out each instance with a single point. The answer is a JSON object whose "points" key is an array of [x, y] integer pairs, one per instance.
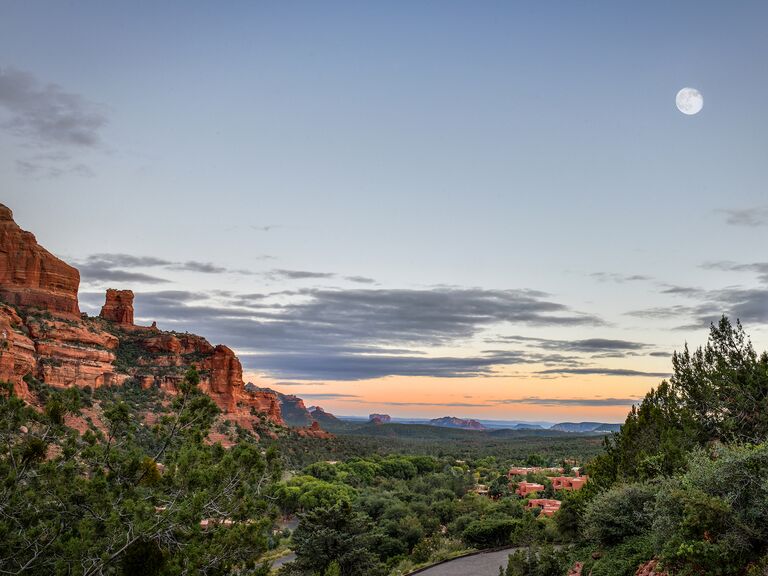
{"points": [[620, 513]]}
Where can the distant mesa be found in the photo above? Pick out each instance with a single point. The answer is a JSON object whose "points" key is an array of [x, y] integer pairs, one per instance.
{"points": [[453, 422], [379, 418], [526, 426]]}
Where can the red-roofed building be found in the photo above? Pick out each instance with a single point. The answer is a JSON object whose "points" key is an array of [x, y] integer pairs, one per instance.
{"points": [[525, 488], [569, 482], [548, 507]]}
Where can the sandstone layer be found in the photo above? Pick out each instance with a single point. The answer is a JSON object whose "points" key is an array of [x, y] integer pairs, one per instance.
{"points": [[30, 276], [118, 307], [44, 336]]}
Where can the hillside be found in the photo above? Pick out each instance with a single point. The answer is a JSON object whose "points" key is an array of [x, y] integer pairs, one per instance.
{"points": [[586, 427], [47, 339]]}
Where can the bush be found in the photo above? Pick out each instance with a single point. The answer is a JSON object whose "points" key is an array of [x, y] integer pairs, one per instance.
{"points": [[489, 533], [620, 513]]}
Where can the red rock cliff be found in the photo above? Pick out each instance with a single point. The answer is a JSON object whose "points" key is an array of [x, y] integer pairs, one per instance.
{"points": [[69, 350], [31, 276], [17, 351], [118, 307]]}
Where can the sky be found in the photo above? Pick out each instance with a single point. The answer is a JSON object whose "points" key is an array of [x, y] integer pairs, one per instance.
{"points": [[479, 209]]}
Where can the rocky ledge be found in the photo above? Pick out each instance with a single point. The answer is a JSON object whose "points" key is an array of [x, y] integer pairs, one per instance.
{"points": [[43, 335]]}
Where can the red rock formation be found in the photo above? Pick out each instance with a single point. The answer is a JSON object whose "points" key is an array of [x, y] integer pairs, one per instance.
{"points": [[650, 569], [17, 351], [73, 353], [69, 350], [576, 569], [292, 408], [221, 374], [30, 276], [119, 307], [313, 431]]}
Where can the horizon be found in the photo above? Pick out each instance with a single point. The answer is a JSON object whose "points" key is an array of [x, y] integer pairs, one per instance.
{"points": [[511, 221]]}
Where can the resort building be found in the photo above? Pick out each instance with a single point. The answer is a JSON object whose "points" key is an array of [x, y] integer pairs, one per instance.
{"points": [[548, 507], [525, 488], [569, 482]]}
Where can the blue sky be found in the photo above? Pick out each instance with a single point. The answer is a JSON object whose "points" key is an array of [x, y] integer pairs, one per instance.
{"points": [[363, 164]]}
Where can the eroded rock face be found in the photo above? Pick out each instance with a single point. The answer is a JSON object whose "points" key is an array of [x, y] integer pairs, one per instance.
{"points": [[165, 357], [119, 307], [650, 568], [30, 276], [294, 411], [42, 334], [56, 351], [17, 351], [313, 431]]}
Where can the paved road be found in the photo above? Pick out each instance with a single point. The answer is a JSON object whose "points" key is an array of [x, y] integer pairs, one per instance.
{"points": [[283, 560], [486, 564]]}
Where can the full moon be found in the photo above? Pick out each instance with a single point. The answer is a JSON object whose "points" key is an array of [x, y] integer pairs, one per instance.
{"points": [[689, 101]]}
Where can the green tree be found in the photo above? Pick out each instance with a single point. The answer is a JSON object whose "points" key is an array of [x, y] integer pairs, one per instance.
{"points": [[489, 532], [335, 536], [102, 503]]}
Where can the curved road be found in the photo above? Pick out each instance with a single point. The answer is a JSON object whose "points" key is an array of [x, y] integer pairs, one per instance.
{"points": [[485, 564]]}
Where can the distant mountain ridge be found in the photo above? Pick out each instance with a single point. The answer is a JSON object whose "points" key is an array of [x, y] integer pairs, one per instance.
{"points": [[453, 422], [586, 427]]}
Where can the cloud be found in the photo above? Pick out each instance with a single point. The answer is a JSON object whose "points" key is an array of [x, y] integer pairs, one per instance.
{"points": [[682, 290], [330, 396], [759, 268], [620, 278], [660, 354], [108, 267], [363, 366], [584, 345], [746, 304], [663, 312], [603, 372], [572, 401], [279, 274], [354, 334], [46, 114], [360, 279], [203, 267], [283, 383], [749, 217]]}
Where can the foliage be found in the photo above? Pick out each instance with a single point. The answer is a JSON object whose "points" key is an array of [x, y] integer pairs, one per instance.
{"points": [[102, 503], [336, 540], [619, 513], [717, 393], [536, 561], [489, 532], [685, 478]]}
